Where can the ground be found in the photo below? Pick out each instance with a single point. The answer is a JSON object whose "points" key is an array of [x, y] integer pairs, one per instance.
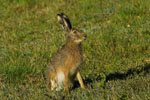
{"points": [[116, 54]]}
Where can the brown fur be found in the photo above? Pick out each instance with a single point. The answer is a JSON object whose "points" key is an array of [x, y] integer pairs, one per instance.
{"points": [[68, 58]]}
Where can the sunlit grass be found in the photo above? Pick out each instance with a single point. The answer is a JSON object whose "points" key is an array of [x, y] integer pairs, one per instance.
{"points": [[116, 52]]}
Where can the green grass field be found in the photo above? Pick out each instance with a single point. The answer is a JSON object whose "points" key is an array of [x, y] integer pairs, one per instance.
{"points": [[116, 63]]}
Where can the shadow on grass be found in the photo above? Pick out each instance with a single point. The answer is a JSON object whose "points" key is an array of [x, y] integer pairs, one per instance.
{"points": [[117, 75], [131, 72]]}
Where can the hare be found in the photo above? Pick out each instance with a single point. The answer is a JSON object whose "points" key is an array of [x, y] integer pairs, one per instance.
{"points": [[64, 67]]}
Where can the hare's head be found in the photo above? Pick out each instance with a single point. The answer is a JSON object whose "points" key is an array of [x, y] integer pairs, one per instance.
{"points": [[74, 35]]}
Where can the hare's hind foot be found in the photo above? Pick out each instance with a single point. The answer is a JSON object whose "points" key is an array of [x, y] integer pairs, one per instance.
{"points": [[58, 82]]}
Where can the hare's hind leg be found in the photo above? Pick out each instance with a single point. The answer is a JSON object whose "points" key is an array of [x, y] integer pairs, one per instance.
{"points": [[80, 80], [50, 84]]}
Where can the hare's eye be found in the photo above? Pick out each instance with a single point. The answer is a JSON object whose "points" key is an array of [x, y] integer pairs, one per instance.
{"points": [[74, 31]]}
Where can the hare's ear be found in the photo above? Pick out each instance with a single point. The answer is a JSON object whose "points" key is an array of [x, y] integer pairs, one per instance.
{"points": [[64, 21]]}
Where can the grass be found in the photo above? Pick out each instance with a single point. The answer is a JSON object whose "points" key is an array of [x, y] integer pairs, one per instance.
{"points": [[116, 63]]}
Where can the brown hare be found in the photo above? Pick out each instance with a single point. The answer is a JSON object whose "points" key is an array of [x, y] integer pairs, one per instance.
{"points": [[65, 65]]}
